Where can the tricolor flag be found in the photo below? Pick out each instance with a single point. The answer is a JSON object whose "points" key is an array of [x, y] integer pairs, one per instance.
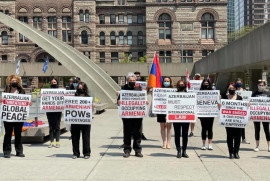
{"points": [[208, 78], [18, 67], [155, 77], [187, 79], [45, 66]]}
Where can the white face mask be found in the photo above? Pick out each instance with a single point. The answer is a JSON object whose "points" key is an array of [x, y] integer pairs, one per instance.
{"points": [[261, 88]]}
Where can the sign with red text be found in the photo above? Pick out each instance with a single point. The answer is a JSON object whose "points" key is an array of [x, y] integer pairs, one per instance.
{"points": [[207, 103], [260, 109], [181, 107], [133, 104], [234, 113], [244, 94], [52, 100], [70, 92], [15, 107], [195, 85], [141, 84], [78, 110], [159, 99]]}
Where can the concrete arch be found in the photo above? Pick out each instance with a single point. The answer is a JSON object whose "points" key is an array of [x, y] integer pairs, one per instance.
{"points": [[99, 82]]}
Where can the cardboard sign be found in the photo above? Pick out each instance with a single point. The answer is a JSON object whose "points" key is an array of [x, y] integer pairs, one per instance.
{"points": [[260, 109], [15, 107], [159, 99], [52, 100], [78, 110], [195, 85], [234, 113], [207, 103], [70, 92], [133, 104], [244, 94], [141, 84], [181, 107]]}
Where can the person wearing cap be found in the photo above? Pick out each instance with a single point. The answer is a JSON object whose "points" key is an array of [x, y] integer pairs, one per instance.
{"points": [[75, 83]]}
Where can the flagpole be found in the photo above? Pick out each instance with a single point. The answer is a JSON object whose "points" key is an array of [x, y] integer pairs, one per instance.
{"points": [[182, 51]]}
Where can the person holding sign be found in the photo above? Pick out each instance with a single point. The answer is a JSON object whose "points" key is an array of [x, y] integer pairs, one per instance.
{"points": [[161, 118], [77, 129], [207, 122], [261, 92], [54, 119]]}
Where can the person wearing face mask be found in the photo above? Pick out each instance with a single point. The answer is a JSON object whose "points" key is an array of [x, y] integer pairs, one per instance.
{"points": [[239, 83], [207, 122], [75, 83], [233, 134], [161, 118], [132, 126], [181, 127], [261, 92], [54, 119]]}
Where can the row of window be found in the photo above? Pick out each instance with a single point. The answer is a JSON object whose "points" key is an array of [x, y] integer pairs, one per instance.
{"points": [[188, 1], [121, 38], [122, 19]]}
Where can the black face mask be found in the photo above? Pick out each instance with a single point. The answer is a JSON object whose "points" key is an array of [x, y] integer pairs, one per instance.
{"points": [[181, 87], [81, 91], [231, 92], [54, 86], [131, 84], [14, 84], [205, 86]]}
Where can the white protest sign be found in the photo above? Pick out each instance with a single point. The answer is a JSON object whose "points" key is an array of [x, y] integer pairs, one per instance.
{"points": [[181, 107], [78, 110], [195, 85], [207, 103], [260, 109], [70, 92], [15, 107], [52, 100], [133, 104], [244, 94], [141, 84], [159, 99], [234, 113]]}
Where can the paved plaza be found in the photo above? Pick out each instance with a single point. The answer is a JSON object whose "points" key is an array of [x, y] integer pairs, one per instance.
{"points": [[106, 161]]}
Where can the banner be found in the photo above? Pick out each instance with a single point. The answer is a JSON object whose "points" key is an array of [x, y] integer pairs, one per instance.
{"points": [[181, 107], [260, 109], [207, 103], [78, 110], [195, 85], [234, 113], [52, 100], [133, 104], [141, 84], [244, 94], [159, 99], [70, 92], [15, 107]]}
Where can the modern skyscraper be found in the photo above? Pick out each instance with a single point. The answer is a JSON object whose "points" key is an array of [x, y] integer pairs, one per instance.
{"points": [[257, 12]]}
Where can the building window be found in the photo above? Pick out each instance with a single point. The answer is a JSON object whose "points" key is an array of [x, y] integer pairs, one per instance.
{"points": [[140, 19], [21, 37], [84, 37], [102, 38], [4, 38], [140, 54], [121, 38], [81, 16], [37, 22], [129, 19], [24, 61], [121, 19], [205, 53], [102, 19], [66, 29], [87, 54], [87, 16], [187, 56], [112, 19], [140, 38], [113, 40], [7, 12], [114, 57], [121, 2], [207, 25], [164, 22], [52, 26], [165, 57], [4, 58], [102, 57], [129, 38]]}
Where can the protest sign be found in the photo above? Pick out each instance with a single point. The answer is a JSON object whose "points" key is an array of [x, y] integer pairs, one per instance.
{"points": [[15, 107], [141, 84], [244, 94], [133, 104], [52, 100], [159, 99], [195, 85], [70, 92], [78, 110], [181, 107], [207, 103], [260, 109], [234, 113]]}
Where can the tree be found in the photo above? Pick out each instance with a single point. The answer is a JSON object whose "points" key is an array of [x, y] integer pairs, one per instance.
{"points": [[244, 31], [128, 59]]}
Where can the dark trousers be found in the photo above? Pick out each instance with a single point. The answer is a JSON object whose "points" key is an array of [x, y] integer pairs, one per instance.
{"points": [[207, 127], [132, 128], [243, 133], [76, 130], [178, 127], [233, 139], [54, 119], [9, 126], [257, 126]]}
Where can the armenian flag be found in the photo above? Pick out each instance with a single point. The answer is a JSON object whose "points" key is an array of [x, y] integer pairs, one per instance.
{"points": [[155, 77]]}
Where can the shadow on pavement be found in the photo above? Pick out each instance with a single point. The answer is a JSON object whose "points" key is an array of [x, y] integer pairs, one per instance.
{"points": [[247, 149], [212, 156], [60, 156], [111, 154], [219, 141], [162, 155], [262, 157]]}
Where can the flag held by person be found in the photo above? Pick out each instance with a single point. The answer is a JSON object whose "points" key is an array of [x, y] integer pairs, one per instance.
{"points": [[18, 67], [45, 66], [187, 79], [155, 77]]}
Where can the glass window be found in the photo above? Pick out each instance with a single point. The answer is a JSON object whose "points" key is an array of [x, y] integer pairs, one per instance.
{"points": [[112, 19], [4, 38], [165, 57], [102, 19], [113, 40], [81, 16], [21, 37], [4, 58], [37, 22], [87, 16], [84, 37], [187, 56], [164, 22], [114, 57], [121, 38], [66, 29], [140, 19], [52, 26], [140, 38], [129, 19], [121, 19], [102, 38], [129, 38], [207, 26], [102, 57]]}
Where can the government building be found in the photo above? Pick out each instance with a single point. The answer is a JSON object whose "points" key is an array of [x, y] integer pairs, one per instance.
{"points": [[119, 35]]}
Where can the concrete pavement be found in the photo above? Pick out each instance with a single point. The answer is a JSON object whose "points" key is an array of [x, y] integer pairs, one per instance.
{"points": [[106, 161]]}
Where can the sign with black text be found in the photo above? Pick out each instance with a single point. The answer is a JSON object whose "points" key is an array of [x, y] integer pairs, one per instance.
{"points": [[159, 99], [260, 109], [141, 84], [207, 103], [195, 85], [244, 94], [70, 92], [52, 100]]}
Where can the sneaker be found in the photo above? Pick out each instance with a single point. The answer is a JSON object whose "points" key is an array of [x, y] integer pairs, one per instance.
{"points": [[126, 154], [139, 154], [244, 141], [57, 145], [257, 149], [210, 147], [74, 157], [86, 157], [51, 145], [203, 147], [190, 134], [20, 155]]}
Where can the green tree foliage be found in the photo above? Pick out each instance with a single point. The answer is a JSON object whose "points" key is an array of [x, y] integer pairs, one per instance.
{"points": [[128, 59], [244, 31]]}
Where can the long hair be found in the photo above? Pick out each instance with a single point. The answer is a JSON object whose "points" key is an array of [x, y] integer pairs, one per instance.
{"points": [[84, 87], [171, 84], [209, 82], [178, 82], [8, 83], [55, 80]]}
